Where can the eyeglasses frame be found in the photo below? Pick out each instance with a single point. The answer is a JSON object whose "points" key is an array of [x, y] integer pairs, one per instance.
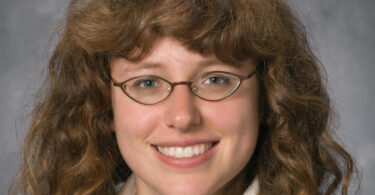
{"points": [[188, 83]]}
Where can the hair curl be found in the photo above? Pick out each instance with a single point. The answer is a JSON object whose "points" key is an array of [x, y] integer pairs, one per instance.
{"points": [[71, 149]]}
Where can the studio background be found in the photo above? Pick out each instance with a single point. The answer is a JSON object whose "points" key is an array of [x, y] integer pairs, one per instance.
{"points": [[341, 32]]}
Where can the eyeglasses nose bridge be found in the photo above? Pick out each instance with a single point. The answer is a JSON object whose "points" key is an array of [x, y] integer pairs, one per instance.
{"points": [[188, 83]]}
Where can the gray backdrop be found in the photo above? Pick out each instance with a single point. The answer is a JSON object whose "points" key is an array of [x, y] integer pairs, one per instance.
{"points": [[341, 33]]}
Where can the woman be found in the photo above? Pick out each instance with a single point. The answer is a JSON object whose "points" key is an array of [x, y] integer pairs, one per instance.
{"points": [[183, 97]]}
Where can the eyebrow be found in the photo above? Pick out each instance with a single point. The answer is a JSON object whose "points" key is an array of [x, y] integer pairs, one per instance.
{"points": [[211, 62], [140, 66], [159, 65], [217, 62]]}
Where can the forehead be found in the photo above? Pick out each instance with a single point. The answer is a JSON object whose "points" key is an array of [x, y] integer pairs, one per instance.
{"points": [[168, 52]]}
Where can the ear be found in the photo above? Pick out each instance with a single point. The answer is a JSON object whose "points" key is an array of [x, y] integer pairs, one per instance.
{"points": [[112, 126]]}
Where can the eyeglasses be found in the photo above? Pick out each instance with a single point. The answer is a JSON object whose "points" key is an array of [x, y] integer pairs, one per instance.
{"points": [[212, 86]]}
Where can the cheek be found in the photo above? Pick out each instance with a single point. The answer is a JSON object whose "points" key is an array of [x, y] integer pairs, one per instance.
{"points": [[132, 119], [237, 121], [233, 118], [239, 114], [132, 124]]}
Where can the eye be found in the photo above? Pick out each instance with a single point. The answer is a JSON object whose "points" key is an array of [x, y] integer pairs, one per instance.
{"points": [[146, 83], [216, 80]]}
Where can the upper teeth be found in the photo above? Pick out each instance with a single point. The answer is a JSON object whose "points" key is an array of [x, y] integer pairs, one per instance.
{"points": [[184, 152]]}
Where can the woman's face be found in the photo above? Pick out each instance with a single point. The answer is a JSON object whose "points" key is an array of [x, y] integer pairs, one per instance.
{"points": [[205, 143]]}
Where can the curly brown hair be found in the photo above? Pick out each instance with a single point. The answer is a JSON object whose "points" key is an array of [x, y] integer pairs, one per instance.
{"points": [[70, 147]]}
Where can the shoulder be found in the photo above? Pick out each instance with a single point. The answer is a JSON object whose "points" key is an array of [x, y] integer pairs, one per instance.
{"points": [[253, 189], [127, 188]]}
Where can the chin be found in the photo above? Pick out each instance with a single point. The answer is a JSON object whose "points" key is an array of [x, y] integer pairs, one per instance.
{"points": [[188, 188]]}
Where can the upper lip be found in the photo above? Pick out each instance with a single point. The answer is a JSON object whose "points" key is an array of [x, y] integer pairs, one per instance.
{"points": [[184, 142]]}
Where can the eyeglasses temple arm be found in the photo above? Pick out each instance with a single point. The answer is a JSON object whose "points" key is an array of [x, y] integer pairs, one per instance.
{"points": [[251, 74]]}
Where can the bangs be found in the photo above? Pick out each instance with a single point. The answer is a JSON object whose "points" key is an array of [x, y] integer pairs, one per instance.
{"points": [[233, 31], [130, 28]]}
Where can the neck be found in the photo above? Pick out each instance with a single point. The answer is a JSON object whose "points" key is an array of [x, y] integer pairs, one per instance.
{"points": [[238, 184]]}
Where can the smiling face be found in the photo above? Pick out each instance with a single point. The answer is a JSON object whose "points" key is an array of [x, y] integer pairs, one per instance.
{"points": [[184, 144]]}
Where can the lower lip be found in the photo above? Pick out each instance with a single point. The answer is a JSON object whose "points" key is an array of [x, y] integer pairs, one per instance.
{"points": [[189, 162]]}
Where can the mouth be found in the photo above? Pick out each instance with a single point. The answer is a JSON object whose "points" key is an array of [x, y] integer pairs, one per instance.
{"points": [[185, 152]]}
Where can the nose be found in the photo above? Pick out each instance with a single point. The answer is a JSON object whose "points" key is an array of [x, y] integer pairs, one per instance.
{"points": [[182, 112]]}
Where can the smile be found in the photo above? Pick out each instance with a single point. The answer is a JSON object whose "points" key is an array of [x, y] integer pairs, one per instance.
{"points": [[185, 152]]}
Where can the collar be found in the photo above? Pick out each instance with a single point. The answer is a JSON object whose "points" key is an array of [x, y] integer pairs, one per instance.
{"points": [[128, 188]]}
